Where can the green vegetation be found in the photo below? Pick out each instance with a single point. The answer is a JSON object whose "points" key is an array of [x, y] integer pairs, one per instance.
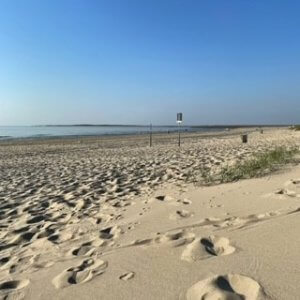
{"points": [[259, 165], [297, 127]]}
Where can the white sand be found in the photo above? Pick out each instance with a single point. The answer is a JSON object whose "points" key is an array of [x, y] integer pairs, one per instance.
{"points": [[113, 219]]}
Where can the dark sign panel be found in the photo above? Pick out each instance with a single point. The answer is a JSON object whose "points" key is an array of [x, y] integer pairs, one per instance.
{"points": [[179, 117]]}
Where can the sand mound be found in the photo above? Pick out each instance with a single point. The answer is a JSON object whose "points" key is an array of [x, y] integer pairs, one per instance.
{"points": [[227, 287], [202, 248]]}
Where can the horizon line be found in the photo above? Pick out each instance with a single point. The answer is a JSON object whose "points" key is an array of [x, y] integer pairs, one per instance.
{"points": [[147, 125]]}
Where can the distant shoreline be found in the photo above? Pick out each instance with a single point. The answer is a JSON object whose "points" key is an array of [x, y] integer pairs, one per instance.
{"points": [[207, 132], [145, 126], [92, 130], [168, 130]]}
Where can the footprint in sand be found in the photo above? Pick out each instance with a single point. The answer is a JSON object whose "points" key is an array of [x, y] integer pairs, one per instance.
{"points": [[4, 260], [85, 272], [36, 219], [286, 192], [203, 248], [87, 248], [170, 239], [296, 181], [186, 201], [293, 182], [13, 285], [165, 198], [127, 276], [37, 263], [110, 232], [180, 214], [230, 286], [20, 264], [176, 238]]}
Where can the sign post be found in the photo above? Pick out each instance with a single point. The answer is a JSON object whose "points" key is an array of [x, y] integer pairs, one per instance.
{"points": [[179, 121], [150, 134]]}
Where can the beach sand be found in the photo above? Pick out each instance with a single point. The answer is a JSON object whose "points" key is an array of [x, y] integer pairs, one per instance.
{"points": [[111, 218]]}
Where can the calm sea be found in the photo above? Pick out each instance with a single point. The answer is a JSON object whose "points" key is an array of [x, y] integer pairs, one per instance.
{"points": [[9, 132]]}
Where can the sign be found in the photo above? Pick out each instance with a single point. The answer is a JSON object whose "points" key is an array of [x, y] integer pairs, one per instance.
{"points": [[179, 118], [179, 121]]}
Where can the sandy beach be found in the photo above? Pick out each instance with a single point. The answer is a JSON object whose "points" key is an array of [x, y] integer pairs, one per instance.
{"points": [[112, 218]]}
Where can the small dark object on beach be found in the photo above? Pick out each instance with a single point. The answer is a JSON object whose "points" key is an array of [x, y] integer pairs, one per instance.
{"points": [[244, 138]]}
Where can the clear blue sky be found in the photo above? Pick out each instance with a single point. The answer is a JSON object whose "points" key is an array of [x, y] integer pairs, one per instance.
{"points": [[136, 61]]}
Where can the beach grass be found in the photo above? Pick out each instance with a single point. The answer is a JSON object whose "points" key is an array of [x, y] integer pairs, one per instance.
{"points": [[259, 165], [297, 127]]}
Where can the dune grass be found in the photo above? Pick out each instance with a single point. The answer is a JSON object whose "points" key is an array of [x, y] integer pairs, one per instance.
{"points": [[297, 127], [259, 165]]}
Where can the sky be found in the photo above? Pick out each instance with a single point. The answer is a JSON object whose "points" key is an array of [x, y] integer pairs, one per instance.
{"points": [[142, 61]]}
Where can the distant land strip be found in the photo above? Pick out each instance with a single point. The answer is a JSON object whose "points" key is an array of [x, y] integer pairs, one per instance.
{"points": [[191, 126]]}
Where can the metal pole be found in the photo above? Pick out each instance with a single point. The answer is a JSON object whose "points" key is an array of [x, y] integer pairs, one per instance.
{"points": [[179, 121], [150, 134], [178, 134]]}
